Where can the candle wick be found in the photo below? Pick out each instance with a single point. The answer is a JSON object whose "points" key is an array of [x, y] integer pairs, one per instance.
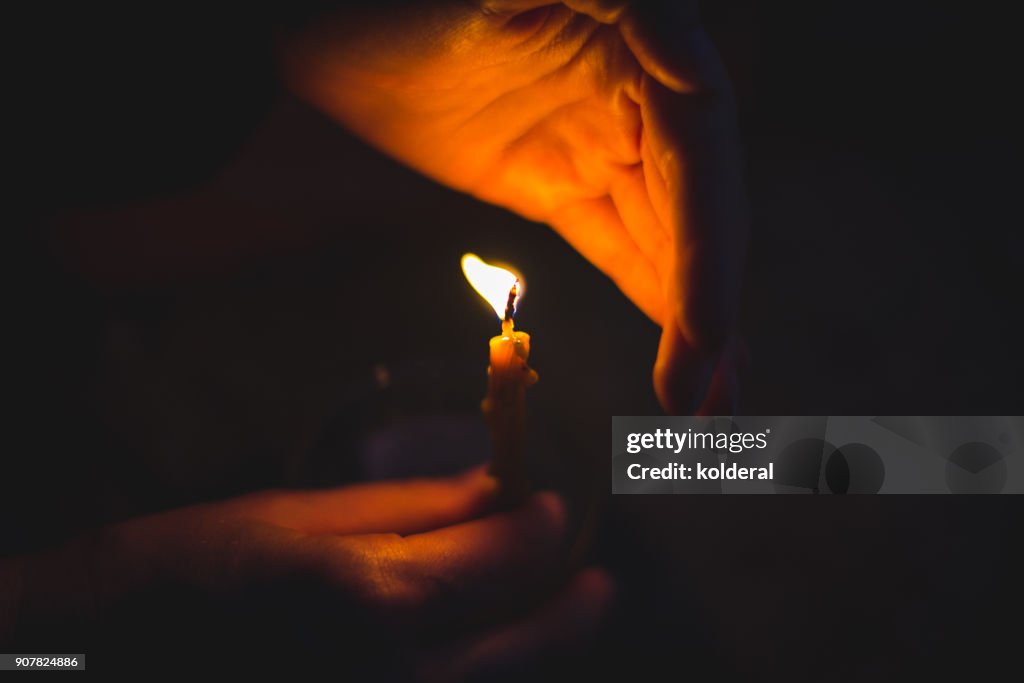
{"points": [[510, 307]]}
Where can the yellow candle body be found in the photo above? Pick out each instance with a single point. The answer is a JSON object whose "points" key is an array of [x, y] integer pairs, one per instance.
{"points": [[504, 408]]}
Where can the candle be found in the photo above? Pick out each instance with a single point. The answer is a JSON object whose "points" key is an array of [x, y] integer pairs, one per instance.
{"points": [[504, 407]]}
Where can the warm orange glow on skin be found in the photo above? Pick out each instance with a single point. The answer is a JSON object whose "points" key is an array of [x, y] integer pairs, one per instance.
{"points": [[541, 117], [611, 121]]}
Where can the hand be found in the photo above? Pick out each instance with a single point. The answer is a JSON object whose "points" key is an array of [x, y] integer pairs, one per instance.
{"points": [[611, 121], [385, 566]]}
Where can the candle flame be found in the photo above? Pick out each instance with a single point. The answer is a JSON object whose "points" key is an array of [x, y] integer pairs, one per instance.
{"points": [[493, 283]]}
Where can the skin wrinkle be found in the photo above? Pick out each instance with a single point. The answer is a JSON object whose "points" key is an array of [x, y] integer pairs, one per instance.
{"points": [[548, 36], [620, 71], [599, 10], [472, 186], [564, 151], [657, 185], [597, 32], [604, 12], [386, 586], [652, 243], [541, 28], [627, 98], [575, 25], [512, 95], [438, 587]]}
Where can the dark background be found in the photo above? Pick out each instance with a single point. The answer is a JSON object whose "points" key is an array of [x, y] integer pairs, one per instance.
{"points": [[213, 276]]}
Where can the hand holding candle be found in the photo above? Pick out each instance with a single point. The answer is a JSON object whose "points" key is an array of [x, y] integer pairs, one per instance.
{"points": [[504, 407]]}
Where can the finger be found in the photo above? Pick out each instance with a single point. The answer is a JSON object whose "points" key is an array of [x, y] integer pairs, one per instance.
{"points": [[560, 627], [458, 576], [401, 507], [693, 143], [594, 228], [682, 377], [657, 33]]}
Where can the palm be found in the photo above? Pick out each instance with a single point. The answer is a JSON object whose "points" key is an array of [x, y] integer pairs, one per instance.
{"points": [[539, 114], [547, 112]]}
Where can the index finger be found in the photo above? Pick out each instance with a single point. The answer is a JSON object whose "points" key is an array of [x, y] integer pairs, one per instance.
{"points": [[692, 145], [401, 506], [469, 573]]}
